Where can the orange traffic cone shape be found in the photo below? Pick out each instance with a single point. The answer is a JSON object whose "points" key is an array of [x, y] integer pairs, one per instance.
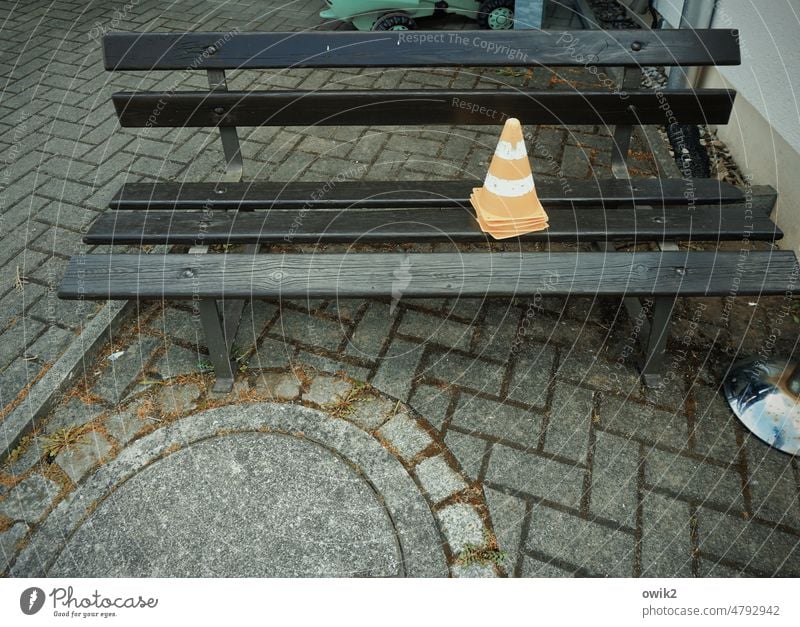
{"points": [[507, 204]]}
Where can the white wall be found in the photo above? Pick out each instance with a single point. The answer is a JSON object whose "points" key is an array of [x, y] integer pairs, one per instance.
{"points": [[764, 132], [769, 77]]}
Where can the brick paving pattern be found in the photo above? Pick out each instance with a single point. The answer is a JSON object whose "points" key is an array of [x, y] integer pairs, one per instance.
{"points": [[534, 403]]}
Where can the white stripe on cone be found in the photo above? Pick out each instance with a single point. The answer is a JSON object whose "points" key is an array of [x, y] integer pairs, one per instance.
{"points": [[513, 188], [507, 150]]}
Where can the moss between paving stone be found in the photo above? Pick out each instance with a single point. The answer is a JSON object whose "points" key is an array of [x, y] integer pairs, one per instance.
{"points": [[403, 431]]}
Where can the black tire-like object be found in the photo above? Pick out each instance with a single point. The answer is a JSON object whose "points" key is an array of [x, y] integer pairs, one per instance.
{"points": [[690, 155], [486, 8], [394, 21]]}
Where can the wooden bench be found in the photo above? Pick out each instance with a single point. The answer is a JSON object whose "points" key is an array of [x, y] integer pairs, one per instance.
{"points": [[603, 212]]}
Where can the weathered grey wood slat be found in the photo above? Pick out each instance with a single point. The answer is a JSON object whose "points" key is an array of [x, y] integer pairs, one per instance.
{"points": [[420, 225], [219, 50], [426, 275], [338, 194], [418, 107]]}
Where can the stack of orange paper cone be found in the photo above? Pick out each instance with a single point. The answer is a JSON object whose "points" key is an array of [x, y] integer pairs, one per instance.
{"points": [[507, 204]]}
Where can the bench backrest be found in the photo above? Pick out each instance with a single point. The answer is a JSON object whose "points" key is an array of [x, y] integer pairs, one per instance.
{"points": [[622, 104]]}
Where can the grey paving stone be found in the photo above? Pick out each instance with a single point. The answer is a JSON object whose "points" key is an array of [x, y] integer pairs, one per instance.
{"points": [[255, 316], [177, 361], [271, 353], [495, 338], [690, 479], [123, 426], [8, 543], [535, 475], [405, 436], [774, 494], [397, 369], [14, 378], [432, 404], [570, 420], [180, 325], [576, 162], [15, 340], [73, 413], [30, 499], [615, 473], [31, 454], [345, 308], [371, 412], [177, 399], [666, 537], [469, 451], [464, 371], [712, 568], [50, 344], [76, 460], [714, 425], [642, 422], [586, 369], [438, 479], [309, 330], [498, 420], [462, 526], [466, 308], [326, 364], [73, 314], [596, 549], [534, 568], [532, 374], [508, 518], [298, 506], [118, 375], [325, 390], [14, 305], [427, 328], [473, 571], [278, 385], [671, 393], [765, 549]]}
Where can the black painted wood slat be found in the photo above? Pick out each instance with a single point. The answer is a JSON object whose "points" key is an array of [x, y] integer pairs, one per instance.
{"points": [[260, 50], [335, 194], [426, 274], [419, 107], [419, 225]]}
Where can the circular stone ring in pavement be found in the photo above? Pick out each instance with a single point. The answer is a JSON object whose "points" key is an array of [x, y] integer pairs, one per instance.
{"points": [[259, 490]]}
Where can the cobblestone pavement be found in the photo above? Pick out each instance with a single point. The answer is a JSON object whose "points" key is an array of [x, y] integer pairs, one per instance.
{"points": [[521, 422]]}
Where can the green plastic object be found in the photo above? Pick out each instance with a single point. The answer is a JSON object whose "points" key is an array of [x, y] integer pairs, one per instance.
{"points": [[403, 14]]}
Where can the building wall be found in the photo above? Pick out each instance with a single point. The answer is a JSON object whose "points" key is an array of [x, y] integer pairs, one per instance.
{"points": [[764, 132]]}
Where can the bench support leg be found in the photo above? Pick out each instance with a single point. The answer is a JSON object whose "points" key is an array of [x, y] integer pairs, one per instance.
{"points": [[631, 79], [218, 346], [234, 167], [655, 341]]}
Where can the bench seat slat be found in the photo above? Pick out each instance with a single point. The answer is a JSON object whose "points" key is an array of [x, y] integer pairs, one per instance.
{"points": [[335, 194], [419, 107], [420, 225], [426, 275], [325, 49]]}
